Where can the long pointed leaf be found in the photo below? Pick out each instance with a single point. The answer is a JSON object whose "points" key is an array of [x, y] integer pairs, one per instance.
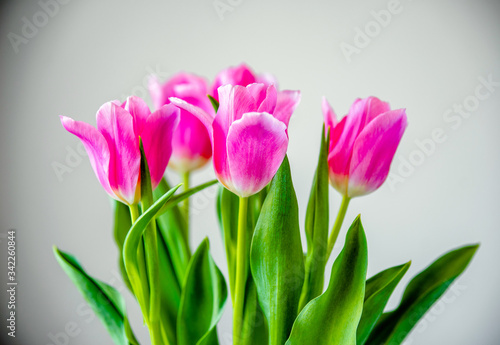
{"points": [[204, 295], [421, 293], [276, 256], [104, 300], [121, 225], [317, 228], [333, 317], [379, 289]]}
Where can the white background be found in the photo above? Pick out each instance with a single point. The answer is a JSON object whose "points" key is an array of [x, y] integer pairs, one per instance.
{"points": [[427, 58]]}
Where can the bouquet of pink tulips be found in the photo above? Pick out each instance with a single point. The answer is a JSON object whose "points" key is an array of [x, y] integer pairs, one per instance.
{"points": [[276, 287]]}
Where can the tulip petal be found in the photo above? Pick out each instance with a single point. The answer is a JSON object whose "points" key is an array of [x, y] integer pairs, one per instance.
{"points": [[205, 118], [374, 150], [375, 107], [219, 149], [139, 111], [268, 79], [191, 144], [117, 127], [268, 104], [239, 75], [234, 102], [328, 115], [356, 120], [286, 103], [337, 163], [157, 140], [96, 147], [256, 147]]}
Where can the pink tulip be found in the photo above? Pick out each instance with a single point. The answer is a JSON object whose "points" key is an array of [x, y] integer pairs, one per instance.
{"points": [[113, 148], [240, 75], [362, 145], [191, 147], [249, 134]]}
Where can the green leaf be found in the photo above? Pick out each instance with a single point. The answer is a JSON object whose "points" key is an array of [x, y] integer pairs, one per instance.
{"points": [[254, 329], [121, 225], [379, 289], [254, 326], [104, 300], [227, 212], [214, 102], [276, 257], [317, 228], [420, 294], [133, 240], [204, 295], [184, 195], [171, 226], [170, 291], [333, 317]]}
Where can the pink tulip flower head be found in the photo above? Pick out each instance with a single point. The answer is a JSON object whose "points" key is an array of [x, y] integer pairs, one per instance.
{"points": [[113, 148], [249, 134], [362, 145], [191, 148], [240, 75]]}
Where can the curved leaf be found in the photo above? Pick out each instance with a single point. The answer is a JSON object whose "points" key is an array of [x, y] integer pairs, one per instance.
{"points": [[133, 240], [379, 289], [121, 225], [171, 226], [254, 329], [317, 228], [104, 300], [420, 295], [204, 295], [333, 317], [276, 257]]}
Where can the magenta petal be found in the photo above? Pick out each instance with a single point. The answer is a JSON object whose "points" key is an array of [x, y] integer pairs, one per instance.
{"points": [[374, 150], [96, 147], [139, 111], [157, 140], [256, 146], [205, 118], [117, 127], [268, 104], [234, 102], [258, 92], [286, 103], [374, 107], [268, 79], [239, 75], [219, 149], [328, 115], [191, 144]]}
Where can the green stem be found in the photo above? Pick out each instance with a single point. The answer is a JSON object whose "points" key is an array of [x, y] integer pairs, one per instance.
{"points": [[143, 290], [185, 206], [337, 225], [241, 270], [152, 261]]}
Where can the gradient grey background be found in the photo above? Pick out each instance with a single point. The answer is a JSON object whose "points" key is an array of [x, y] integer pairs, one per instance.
{"points": [[428, 58]]}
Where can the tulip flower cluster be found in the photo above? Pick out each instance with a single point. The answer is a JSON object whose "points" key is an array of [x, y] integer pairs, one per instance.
{"points": [[276, 287]]}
